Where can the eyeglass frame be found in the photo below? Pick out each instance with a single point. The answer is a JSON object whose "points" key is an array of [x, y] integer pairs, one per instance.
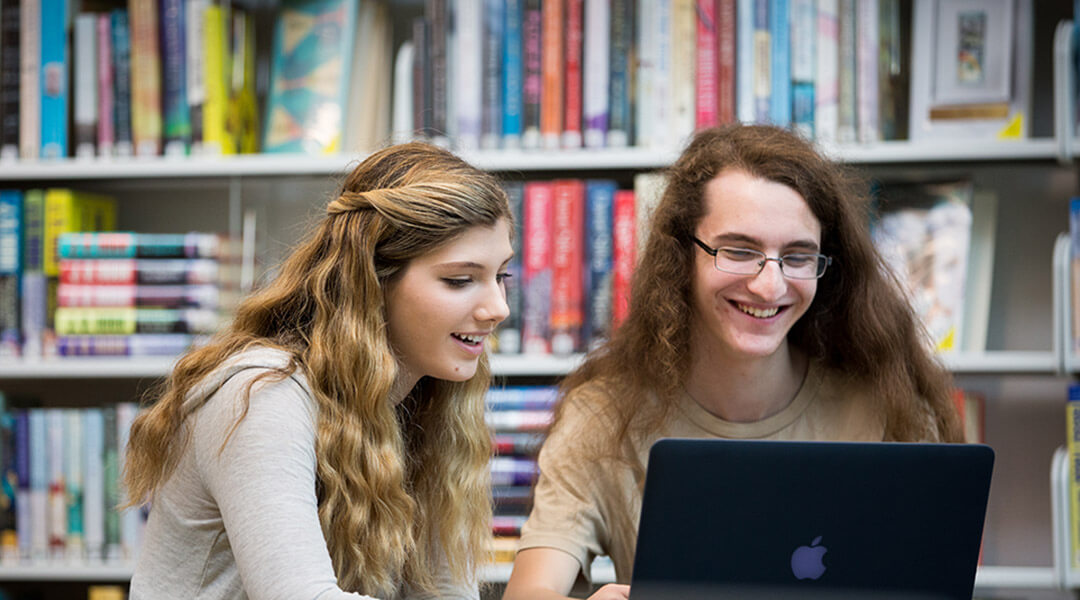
{"points": [[765, 258]]}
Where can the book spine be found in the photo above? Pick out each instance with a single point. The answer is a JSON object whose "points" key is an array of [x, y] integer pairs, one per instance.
{"points": [[111, 465], [826, 82], [106, 118], [706, 84], [518, 443], [29, 76], [39, 484], [597, 71], [1072, 444], [745, 55], [762, 62], [532, 83], [599, 201], [644, 97], [726, 84], [846, 126], [216, 138], [623, 253], [620, 123], [53, 80], [803, 26], [86, 85], [11, 266], [23, 530], [94, 483], [73, 482], [513, 91], [521, 398], [10, 57], [112, 244], [573, 44], [567, 266], [10, 316], [683, 65], [62, 214], [139, 344], [195, 68], [126, 321], [132, 520], [780, 72], [866, 75], [175, 111], [509, 337], [9, 540], [662, 75], [468, 61], [510, 470], [552, 74], [32, 290], [56, 520], [145, 78], [144, 271], [519, 420], [491, 129], [536, 338], [438, 35], [139, 296], [421, 78], [125, 145]]}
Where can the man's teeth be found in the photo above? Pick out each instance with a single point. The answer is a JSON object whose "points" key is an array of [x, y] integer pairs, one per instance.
{"points": [[761, 313], [471, 339]]}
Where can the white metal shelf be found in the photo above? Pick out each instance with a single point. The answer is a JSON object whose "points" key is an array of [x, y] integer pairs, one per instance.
{"points": [[502, 365], [297, 165], [119, 572]]}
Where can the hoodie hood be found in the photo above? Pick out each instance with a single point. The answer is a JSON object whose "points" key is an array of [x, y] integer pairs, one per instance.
{"points": [[254, 358]]}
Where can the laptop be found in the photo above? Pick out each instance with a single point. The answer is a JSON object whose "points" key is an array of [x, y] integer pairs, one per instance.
{"points": [[816, 520]]}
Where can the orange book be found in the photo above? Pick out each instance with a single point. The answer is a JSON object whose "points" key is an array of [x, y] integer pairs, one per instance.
{"points": [[552, 73]]}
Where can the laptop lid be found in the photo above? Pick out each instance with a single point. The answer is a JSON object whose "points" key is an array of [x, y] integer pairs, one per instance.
{"points": [[769, 519]]}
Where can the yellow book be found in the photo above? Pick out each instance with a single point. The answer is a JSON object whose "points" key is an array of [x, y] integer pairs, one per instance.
{"points": [[216, 137], [1072, 427], [69, 210]]}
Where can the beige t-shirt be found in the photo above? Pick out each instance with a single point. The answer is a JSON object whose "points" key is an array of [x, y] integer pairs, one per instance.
{"points": [[588, 506]]}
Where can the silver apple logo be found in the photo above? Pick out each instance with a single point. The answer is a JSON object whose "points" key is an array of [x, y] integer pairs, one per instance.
{"points": [[806, 561]]}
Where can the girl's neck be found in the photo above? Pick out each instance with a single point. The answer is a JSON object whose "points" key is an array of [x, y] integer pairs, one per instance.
{"points": [[744, 391]]}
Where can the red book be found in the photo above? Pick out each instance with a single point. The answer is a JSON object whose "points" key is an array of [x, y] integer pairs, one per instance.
{"points": [[536, 280], [725, 42], [575, 26], [551, 71], [706, 57], [623, 254], [567, 266]]}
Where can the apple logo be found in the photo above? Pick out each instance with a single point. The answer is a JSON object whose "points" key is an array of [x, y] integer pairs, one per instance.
{"points": [[806, 561]]}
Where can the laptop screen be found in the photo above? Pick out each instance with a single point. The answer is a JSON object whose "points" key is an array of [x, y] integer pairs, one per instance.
{"points": [[826, 520]]}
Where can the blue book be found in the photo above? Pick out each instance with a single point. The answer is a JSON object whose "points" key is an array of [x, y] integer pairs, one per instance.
{"points": [[599, 213], [620, 113], [11, 246], [509, 336], [491, 61], [512, 93], [54, 78], [121, 46], [39, 484], [780, 70], [22, 485], [176, 114]]}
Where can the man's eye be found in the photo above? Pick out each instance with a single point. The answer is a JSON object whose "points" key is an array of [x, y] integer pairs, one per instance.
{"points": [[799, 260], [739, 255]]}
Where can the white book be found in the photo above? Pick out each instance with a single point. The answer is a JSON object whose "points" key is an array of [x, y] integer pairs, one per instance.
{"points": [[94, 483], [403, 128], [683, 61], [826, 84], [132, 521], [644, 115], [467, 78], [744, 61], [56, 519], [866, 75], [73, 482], [663, 95], [596, 75], [29, 78], [86, 85], [39, 485]]}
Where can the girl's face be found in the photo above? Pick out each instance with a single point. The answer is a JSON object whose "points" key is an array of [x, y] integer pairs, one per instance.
{"points": [[443, 306], [748, 316]]}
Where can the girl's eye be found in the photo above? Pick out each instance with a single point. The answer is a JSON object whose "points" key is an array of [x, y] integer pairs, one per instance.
{"points": [[503, 277], [455, 282]]}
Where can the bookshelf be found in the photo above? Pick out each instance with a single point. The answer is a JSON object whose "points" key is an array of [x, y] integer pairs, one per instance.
{"points": [[1023, 373]]}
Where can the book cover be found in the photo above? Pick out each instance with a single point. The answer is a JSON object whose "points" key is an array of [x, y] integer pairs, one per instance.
{"points": [[623, 253], [121, 41], [567, 266], [707, 59], [599, 237], [573, 51], [86, 78], [552, 72], [29, 80], [490, 125], [537, 269], [175, 111], [145, 77], [53, 80], [10, 64], [532, 78], [307, 96], [106, 117], [513, 72], [620, 126], [509, 333]]}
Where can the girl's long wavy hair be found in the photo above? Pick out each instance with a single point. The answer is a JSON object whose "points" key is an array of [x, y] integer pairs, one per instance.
{"points": [[859, 322], [399, 488]]}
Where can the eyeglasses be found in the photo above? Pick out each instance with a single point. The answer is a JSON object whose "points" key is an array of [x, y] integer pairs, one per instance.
{"points": [[744, 261]]}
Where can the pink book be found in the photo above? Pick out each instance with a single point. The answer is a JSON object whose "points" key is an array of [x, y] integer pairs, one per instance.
{"points": [[725, 42], [623, 254], [572, 98], [106, 134], [567, 266], [536, 284], [706, 83]]}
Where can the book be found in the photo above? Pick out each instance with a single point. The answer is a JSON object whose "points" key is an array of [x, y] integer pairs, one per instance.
{"points": [[402, 127], [620, 125], [599, 238], [623, 253], [73, 482], [86, 76], [29, 80], [726, 85], [513, 72], [307, 97], [1074, 271], [57, 516], [978, 287], [132, 520], [175, 110], [68, 211], [803, 31], [437, 13], [573, 92], [1072, 447], [146, 118], [55, 70], [123, 244], [106, 117], [467, 83], [867, 83], [567, 265], [707, 65], [512, 470], [195, 68], [10, 64], [22, 486], [9, 481], [532, 74], [762, 62], [94, 508], [38, 484], [846, 48], [131, 320], [207, 296], [826, 73], [509, 332], [924, 235], [216, 138], [516, 443], [121, 45], [491, 129], [745, 55], [33, 285], [553, 74], [367, 125], [521, 397], [157, 271], [242, 121], [536, 268], [971, 408], [780, 69], [11, 267], [681, 66], [136, 344]]}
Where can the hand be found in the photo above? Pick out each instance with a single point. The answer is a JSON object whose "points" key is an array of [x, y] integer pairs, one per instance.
{"points": [[612, 591]]}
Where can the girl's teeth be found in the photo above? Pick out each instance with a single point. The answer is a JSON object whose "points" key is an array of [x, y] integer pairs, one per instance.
{"points": [[761, 313], [469, 338]]}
